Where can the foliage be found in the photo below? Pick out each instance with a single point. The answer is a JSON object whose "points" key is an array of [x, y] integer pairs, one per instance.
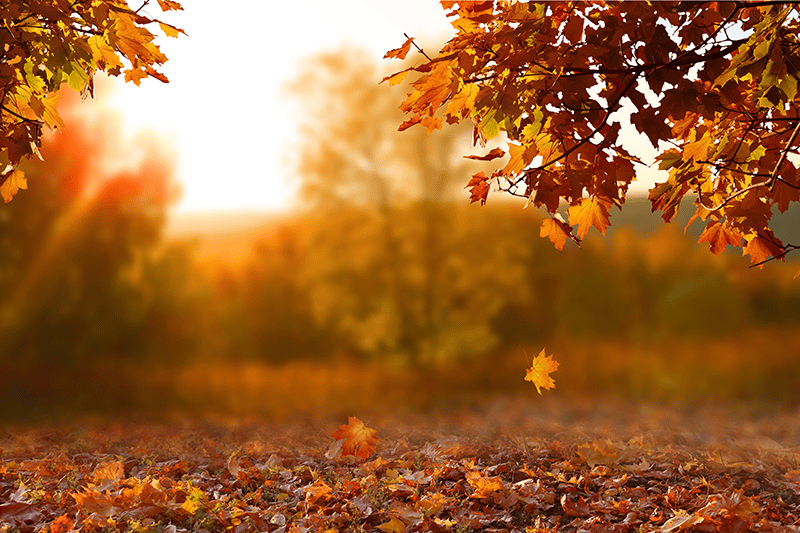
{"points": [[352, 155], [47, 43], [712, 86], [136, 478]]}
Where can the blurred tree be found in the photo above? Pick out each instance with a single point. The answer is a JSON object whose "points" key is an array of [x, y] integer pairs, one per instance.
{"points": [[71, 255], [48, 43], [351, 155]]}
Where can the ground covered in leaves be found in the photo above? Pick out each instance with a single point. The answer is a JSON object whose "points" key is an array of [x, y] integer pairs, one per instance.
{"points": [[559, 471]]}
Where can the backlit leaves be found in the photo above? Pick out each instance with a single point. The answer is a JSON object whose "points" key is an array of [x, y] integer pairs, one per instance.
{"points": [[589, 212], [400, 53], [713, 86], [478, 188], [12, 182], [557, 231], [719, 236], [49, 43], [540, 370]]}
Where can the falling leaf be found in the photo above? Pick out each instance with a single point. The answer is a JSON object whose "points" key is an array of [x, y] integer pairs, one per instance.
{"points": [[539, 372], [479, 188], [359, 440], [494, 153]]}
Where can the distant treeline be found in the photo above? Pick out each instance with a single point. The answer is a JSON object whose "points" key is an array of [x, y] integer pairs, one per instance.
{"points": [[424, 285]]}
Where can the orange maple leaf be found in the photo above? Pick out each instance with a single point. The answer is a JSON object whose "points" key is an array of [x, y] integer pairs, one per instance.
{"points": [[359, 440], [400, 53], [557, 230], [539, 372], [587, 213], [719, 236]]}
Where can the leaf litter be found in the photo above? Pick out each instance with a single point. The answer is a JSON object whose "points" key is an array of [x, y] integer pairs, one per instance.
{"points": [[260, 477]]}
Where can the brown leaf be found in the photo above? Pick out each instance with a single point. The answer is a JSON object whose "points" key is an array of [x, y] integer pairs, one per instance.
{"points": [[494, 153]]}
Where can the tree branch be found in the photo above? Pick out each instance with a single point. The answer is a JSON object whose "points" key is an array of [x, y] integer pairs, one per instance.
{"points": [[787, 248], [421, 51], [770, 182]]}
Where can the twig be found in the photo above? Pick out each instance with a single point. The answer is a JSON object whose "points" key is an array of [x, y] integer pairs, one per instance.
{"points": [[770, 182], [787, 248], [421, 51]]}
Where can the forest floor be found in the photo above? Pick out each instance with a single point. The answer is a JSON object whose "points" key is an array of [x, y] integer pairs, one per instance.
{"points": [[510, 464]]}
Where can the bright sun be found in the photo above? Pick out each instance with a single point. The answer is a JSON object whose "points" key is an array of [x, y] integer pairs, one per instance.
{"points": [[221, 115]]}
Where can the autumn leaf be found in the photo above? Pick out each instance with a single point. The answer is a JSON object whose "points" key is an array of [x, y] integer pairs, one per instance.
{"points": [[479, 188], [400, 53], [13, 182], [494, 153], [681, 521], [536, 98], [359, 440], [169, 5], [394, 525], [718, 235], [170, 30], [760, 249], [539, 372], [484, 487], [587, 213], [557, 231]]}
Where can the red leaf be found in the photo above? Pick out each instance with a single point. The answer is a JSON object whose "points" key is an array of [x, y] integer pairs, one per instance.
{"points": [[479, 188]]}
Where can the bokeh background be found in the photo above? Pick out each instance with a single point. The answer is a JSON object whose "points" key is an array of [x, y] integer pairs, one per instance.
{"points": [[375, 289]]}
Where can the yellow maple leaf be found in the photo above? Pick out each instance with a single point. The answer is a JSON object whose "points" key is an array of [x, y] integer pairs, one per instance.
{"points": [[394, 525], [359, 440], [13, 183], [539, 372]]}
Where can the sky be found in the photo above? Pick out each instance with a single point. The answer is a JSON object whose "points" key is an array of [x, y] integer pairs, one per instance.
{"points": [[224, 113], [224, 116]]}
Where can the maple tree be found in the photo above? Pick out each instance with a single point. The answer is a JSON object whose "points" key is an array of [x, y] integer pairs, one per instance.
{"points": [[50, 43], [711, 85]]}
